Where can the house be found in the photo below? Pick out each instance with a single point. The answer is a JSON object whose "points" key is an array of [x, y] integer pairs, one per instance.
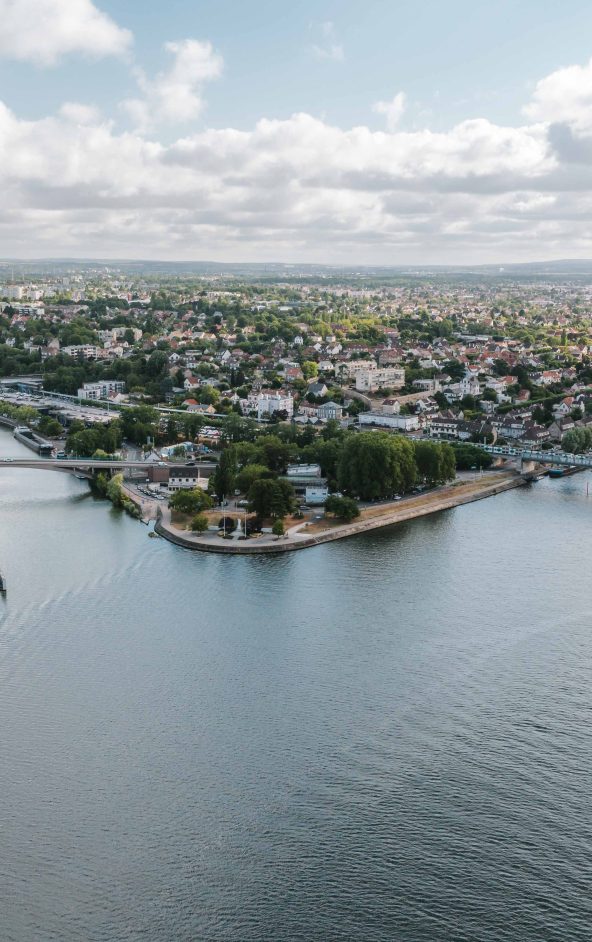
{"points": [[201, 409], [183, 477], [330, 411], [317, 389]]}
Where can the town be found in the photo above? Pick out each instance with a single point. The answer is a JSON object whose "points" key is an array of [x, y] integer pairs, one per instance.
{"points": [[295, 390]]}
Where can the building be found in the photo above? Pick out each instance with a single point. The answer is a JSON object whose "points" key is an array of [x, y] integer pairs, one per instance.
{"points": [[185, 477], [373, 378], [394, 420], [101, 390], [86, 351], [274, 400], [308, 483], [330, 410]]}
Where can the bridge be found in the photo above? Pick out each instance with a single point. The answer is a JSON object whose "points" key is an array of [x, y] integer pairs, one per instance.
{"points": [[87, 466], [541, 457]]}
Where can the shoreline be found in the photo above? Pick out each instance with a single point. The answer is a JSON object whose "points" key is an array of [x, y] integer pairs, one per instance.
{"points": [[444, 498]]}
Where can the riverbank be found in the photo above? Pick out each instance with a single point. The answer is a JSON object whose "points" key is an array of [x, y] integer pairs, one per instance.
{"points": [[308, 534]]}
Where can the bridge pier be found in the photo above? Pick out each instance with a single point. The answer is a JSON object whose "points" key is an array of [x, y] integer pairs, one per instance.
{"points": [[527, 466]]}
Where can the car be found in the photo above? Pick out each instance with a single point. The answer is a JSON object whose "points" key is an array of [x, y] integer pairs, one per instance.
{"points": [[397, 497], [8, 459]]}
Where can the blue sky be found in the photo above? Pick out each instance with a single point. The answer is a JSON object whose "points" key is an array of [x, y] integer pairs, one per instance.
{"points": [[475, 118], [454, 60]]}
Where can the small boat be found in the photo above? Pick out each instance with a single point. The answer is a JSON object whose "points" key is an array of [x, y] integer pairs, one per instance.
{"points": [[2, 585]]}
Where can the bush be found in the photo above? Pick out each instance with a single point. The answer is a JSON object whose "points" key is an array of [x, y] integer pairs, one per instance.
{"points": [[199, 524], [227, 523]]}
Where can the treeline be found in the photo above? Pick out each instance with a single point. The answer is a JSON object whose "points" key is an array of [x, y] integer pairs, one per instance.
{"points": [[367, 466]]}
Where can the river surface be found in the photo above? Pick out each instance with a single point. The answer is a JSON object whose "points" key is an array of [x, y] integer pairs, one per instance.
{"points": [[383, 738]]}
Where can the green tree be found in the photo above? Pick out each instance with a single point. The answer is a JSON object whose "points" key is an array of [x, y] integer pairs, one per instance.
{"points": [[223, 479], [376, 465], [191, 501], [310, 369], [271, 498], [435, 462], [278, 528], [346, 508], [470, 456], [249, 474], [199, 523]]}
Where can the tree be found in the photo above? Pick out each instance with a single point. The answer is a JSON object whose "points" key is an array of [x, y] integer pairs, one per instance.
{"points": [[223, 479], [191, 501], [577, 440], [345, 508], [470, 456], [208, 396], [274, 453], [310, 369], [278, 528], [376, 465], [199, 524], [271, 498], [49, 426], [435, 462], [249, 474]]}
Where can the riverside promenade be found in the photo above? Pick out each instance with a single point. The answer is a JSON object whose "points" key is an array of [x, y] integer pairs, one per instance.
{"points": [[307, 534]]}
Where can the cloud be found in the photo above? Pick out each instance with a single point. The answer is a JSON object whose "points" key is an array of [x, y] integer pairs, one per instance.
{"points": [[175, 95], [392, 110], [327, 46], [295, 189], [79, 113], [42, 31], [564, 96]]}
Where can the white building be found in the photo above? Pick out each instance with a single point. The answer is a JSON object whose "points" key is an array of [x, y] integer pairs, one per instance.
{"points": [[404, 423], [87, 351], [101, 390], [373, 378], [268, 401]]}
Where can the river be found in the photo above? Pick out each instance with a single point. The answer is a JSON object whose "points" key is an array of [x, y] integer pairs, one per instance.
{"points": [[383, 738]]}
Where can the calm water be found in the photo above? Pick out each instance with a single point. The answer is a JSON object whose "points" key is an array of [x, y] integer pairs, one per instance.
{"points": [[388, 738]]}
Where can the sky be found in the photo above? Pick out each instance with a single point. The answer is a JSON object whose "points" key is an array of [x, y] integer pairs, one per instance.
{"points": [[346, 132]]}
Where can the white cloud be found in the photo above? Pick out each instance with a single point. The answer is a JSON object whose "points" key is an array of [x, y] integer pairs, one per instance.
{"points": [[292, 189], [327, 45], [175, 95], [42, 31], [78, 113], [392, 110], [564, 96]]}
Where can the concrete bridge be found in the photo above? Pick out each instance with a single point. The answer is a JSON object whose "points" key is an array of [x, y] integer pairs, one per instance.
{"points": [[87, 466], [530, 456]]}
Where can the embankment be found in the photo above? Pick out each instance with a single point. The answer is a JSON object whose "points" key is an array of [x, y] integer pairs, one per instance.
{"points": [[443, 499]]}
